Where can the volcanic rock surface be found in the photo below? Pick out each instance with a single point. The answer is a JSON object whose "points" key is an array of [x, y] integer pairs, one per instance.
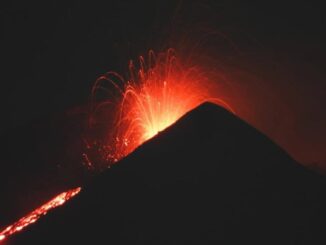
{"points": [[208, 179]]}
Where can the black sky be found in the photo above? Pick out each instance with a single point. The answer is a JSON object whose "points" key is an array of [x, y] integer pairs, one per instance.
{"points": [[52, 52]]}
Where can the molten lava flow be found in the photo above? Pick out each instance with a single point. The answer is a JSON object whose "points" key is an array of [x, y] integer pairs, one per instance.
{"points": [[37, 213], [157, 94]]}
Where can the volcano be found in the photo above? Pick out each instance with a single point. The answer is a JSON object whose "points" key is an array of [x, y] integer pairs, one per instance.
{"points": [[210, 178]]}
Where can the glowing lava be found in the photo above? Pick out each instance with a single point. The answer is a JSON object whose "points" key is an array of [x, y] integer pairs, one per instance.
{"points": [[37, 213], [158, 92]]}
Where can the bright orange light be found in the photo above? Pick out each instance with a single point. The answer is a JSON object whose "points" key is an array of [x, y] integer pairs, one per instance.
{"points": [[160, 91], [157, 94], [37, 213]]}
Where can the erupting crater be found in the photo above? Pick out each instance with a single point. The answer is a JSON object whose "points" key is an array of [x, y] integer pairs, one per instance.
{"points": [[158, 91]]}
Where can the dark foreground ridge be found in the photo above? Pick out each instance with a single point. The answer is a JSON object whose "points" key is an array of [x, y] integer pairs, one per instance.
{"points": [[208, 179]]}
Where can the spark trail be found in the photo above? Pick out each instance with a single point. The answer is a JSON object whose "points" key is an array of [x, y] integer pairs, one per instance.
{"points": [[159, 91]]}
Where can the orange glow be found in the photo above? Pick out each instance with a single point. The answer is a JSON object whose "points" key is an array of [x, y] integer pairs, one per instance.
{"points": [[158, 92], [37, 213]]}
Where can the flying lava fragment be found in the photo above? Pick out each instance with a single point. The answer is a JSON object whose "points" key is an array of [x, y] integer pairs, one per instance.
{"points": [[158, 91]]}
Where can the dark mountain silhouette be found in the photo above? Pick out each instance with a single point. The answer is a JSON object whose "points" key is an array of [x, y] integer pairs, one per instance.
{"points": [[208, 179]]}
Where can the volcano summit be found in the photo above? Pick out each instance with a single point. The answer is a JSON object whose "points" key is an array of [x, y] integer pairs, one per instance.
{"points": [[210, 178]]}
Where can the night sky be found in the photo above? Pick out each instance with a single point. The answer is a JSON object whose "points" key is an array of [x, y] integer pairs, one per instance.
{"points": [[272, 53]]}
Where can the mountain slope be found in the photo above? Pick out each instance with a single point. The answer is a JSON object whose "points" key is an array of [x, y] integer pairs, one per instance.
{"points": [[208, 179]]}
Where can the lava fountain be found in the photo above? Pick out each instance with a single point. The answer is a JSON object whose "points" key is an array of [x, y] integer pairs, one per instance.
{"points": [[159, 90]]}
